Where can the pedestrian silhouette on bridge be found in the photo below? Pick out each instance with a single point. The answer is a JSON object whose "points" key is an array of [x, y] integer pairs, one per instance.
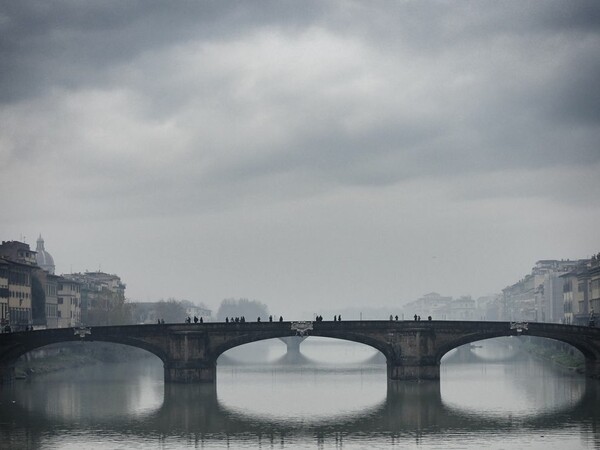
{"points": [[281, 318]]}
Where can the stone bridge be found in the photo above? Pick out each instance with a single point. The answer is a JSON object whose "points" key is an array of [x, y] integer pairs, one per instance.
{"points": [[189, 352]]}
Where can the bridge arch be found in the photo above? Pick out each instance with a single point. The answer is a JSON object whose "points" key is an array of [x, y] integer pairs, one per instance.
{"points": [[15, 345], [382, 346], [244, 339], [374, 343], [590, 351], [20, 350], [466, 352], [68, 353]]}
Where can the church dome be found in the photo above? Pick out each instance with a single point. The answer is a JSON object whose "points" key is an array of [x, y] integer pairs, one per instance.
{"points": [[43, 258]]}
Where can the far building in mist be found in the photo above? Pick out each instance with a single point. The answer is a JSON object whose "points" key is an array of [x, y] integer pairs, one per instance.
{"points": [[50, 282], [581, 292], [102, 298], [193, 310], [489, 307], [44, 259], [432, 304], [17, 264], [441, 307], [62, 303], [31, 295], [68, 303], [89, 298], [538, 296]]}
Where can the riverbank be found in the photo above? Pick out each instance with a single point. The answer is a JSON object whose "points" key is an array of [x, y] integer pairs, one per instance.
{"points": [[557, 353], [59, 357]]}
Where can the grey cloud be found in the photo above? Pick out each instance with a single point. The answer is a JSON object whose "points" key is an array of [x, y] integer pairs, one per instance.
{"points": [[71, 44], [574, 95], [327, 145], [485, 88]]}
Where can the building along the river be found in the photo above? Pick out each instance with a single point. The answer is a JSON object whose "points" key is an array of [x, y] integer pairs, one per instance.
{"points": [[18, 263]]}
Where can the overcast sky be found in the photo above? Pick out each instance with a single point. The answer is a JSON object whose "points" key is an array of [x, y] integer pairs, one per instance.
{"points": [[311, 155]]}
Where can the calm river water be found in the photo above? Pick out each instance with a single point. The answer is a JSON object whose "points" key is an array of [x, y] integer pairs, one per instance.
{"points": [[338, 399]]}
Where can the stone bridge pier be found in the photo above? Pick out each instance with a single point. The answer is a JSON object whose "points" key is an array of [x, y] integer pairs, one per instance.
{"points": [[200, 371], [188, 359], [414, 368], [411, 355], [293, 344]]}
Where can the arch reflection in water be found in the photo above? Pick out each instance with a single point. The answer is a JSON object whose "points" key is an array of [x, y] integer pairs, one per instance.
{"points": [[304, 394], [199, 410], [408, 409], [216, 416], [518, 388], [91, 394]]}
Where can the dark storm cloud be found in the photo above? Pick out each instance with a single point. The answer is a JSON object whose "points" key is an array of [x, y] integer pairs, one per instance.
{"points": [[72, 43], [573, 97]]}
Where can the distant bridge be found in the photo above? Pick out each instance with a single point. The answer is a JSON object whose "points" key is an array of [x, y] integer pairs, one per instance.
{"points": [[189, 352]]}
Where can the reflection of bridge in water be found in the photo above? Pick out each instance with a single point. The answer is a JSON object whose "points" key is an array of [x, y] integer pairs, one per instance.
{"points": [[195, 412], [408, 407], [497, 351], [413, 350]]}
